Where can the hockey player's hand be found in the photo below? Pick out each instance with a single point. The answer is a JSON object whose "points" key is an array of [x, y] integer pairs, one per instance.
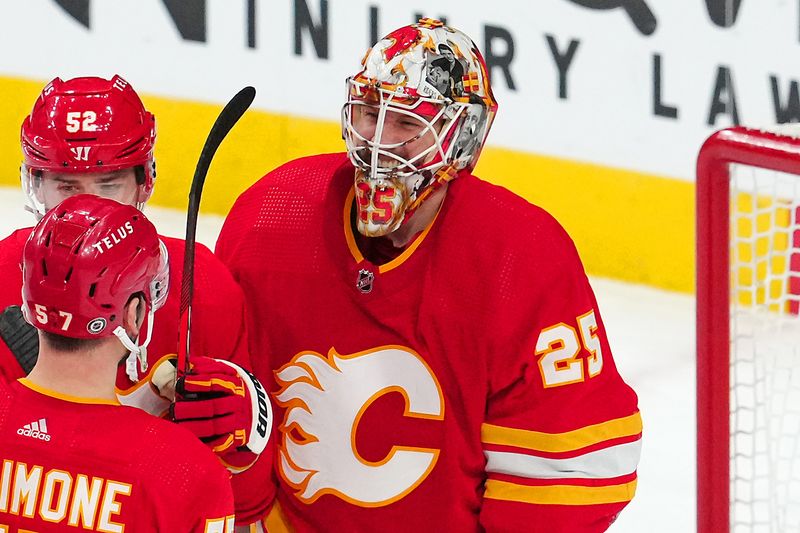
{"points": [[227, 408]]}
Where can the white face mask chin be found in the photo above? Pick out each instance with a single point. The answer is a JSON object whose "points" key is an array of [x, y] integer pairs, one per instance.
{"points": [[382, 202], [375, 221]]}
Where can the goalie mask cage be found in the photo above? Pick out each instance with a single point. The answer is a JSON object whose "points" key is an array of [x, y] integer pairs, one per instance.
{"points": [[748, 332]]}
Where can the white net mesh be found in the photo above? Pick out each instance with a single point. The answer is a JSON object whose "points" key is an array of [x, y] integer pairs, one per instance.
{"points": [[765, 351]]}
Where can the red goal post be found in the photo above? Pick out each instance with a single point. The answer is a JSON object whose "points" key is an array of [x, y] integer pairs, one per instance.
{"points": [[748, 258]]}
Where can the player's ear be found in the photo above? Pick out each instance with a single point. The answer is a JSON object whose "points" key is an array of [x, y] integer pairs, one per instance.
{"points": [[145, 178], [133, 315]]}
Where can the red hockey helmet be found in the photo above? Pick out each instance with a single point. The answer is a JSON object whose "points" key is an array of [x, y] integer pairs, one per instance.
{"points": [[88, 124], [82, 263]]}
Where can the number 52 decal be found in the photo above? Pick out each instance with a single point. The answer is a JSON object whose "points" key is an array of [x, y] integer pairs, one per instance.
{"points": [[559, 346]]}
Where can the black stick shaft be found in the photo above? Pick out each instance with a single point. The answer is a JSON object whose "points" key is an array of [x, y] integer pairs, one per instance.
{"points": [[229, 115]]}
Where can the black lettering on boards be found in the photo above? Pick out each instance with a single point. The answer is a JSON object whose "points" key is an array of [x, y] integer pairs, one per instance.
{"points": [[660, 109], [494, 59], [724, 100], [788, 111], [563, 62], [303, 21]]}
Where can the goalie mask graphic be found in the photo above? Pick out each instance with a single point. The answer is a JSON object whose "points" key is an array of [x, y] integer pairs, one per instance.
{"points": [[416, 114]]}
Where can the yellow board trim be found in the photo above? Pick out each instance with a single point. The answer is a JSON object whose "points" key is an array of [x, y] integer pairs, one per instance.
{"points": [[560, 494], [562, 442], [627, 225]]}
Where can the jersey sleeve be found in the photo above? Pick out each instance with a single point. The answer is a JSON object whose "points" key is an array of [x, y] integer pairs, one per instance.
{"points": [[218, 312], [254, 488], [562, 433], [11, 294]]}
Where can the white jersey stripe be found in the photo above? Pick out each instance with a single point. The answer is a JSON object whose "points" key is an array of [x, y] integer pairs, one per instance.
{"points": [[43, 425], [609, 462]]}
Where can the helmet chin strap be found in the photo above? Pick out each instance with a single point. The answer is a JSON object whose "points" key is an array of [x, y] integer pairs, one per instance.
{"points": [[138, 352]]}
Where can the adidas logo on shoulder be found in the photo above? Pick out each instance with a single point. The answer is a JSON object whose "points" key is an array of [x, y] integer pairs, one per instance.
{"points": [[35, 430]]}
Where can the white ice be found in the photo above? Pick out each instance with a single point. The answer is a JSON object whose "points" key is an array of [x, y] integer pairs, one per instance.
{"points": [[652, 336]]}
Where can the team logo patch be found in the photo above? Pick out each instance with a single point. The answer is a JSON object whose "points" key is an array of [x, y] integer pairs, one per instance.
{"points": [[319, 458], [365, 281], [96, 326]]}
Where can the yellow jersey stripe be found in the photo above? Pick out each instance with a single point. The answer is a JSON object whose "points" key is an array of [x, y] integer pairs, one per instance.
{"points": [[276, 521], [560, 494], [562, 442]]}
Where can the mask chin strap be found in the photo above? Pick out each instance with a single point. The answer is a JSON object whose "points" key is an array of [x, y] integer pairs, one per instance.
{"points": [[138, 352]]}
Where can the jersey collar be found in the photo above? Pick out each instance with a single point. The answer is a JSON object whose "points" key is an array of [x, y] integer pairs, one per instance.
{"points": [[66, 397], [356, 253]]}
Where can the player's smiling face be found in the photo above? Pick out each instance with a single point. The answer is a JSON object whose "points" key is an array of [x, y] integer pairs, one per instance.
{"points": [[403, 134], [119, 185]]}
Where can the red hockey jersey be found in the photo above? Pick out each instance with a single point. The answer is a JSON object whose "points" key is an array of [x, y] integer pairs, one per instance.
{"points": [[465, 385], [72, 464], [218, 330], [218, 326]]}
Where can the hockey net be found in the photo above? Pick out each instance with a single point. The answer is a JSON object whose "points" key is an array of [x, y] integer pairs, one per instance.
{"points": [[748, 332]]}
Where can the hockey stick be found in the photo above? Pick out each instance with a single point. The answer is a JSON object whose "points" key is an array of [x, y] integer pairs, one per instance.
{"points": [[229, 115]]}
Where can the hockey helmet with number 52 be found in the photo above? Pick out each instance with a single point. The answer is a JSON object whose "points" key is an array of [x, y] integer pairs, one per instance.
{"points": [[88, 124]]}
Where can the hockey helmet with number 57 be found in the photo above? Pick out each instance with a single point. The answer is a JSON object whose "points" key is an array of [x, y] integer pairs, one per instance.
{"points": [[83, 262]]}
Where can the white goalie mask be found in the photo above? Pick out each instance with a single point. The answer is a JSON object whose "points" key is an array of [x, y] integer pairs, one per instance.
{"points": [[417, 114]]}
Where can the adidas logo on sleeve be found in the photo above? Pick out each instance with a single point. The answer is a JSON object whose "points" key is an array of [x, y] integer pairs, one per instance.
{"points": [[35, 430]]}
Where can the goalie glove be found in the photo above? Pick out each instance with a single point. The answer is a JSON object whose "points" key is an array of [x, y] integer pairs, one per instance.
{"points": [[227, 408]]}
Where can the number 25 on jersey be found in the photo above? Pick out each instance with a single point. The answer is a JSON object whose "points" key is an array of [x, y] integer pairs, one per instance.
{"points": [[558, 348]]}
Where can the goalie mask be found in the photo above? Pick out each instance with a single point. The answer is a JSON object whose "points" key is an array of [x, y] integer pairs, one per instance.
{"points": [[87, 125], [417, 114], [81, 265]]}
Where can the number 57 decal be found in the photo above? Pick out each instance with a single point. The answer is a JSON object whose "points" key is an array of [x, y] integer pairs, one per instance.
{"points": [[559, 346]]}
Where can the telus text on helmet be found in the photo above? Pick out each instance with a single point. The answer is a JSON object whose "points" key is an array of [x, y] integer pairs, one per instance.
{"points": [[115, 237]]}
